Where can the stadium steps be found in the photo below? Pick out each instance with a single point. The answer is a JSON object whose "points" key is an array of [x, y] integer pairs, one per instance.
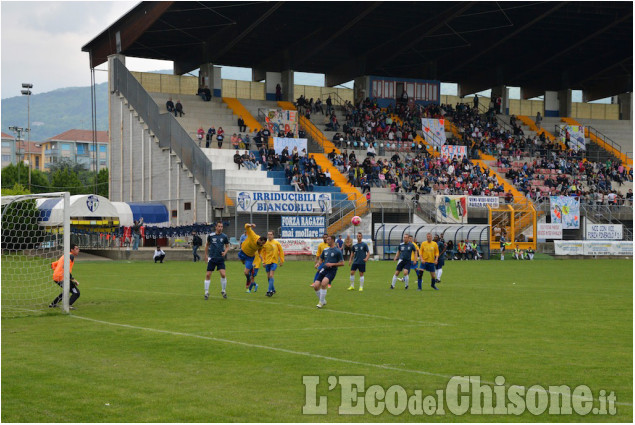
{"points": [[354, 195], [532, 126], [626, 161], [239, 110]]}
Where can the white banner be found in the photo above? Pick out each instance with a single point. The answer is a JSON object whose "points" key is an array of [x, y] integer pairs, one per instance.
{"points": [[549, 231], [279, 143], [604, 232], [309, 246], [593, 248], [450, 151], [285, 202], [482, 201], [433, 131]]}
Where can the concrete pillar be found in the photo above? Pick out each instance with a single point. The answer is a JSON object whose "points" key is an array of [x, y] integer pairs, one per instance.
{"points": [[361, 89], [625, 100], [565, 102], [503, 92], [287, 83], [209, 75], [272, 79], [552, 107]]}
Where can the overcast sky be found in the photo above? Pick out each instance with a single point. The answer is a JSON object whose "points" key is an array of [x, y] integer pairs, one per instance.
{"points": [[42, 41]]}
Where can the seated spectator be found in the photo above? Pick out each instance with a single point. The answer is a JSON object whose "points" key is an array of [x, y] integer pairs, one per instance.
{"points": [[370, 151], [241, 124], [205, 93], [246, 141], [238, 159], [159, 255], [178, 108], [220, 135], [169, 105], [248, 161], [199, 135], [297, 185], [234, 141], [306, 181]]}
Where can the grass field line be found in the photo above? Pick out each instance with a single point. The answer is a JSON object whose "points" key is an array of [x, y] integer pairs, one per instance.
{"points": [[302, 353], [373, 316], [338, 328]]}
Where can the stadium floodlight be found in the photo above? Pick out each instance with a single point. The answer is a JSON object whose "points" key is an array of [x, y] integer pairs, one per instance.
{"points": [[27, 93]]}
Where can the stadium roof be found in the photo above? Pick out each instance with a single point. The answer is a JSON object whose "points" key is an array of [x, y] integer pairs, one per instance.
{"points": [[535, 45]]}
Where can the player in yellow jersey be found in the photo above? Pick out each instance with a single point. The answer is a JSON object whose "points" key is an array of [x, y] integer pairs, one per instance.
{"points": [[429, 252], [273, 257], [251, 246]]}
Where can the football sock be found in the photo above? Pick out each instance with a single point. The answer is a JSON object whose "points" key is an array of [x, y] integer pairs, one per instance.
{"points": [[207, 286], [323, 296], [433, 282], [318, 292], [270, 284], [223, 283], [394, 280], [439, 273], [251, 285], [419, 277], [406, 279], [361, 281], [248, 281], [353, 280]]}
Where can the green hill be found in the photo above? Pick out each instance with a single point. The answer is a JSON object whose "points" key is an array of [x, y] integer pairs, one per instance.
{"points": [[56, 111]]}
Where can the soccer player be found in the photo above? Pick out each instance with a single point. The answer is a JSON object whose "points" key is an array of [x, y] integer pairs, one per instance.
{"points": [[429, 252], [502, 245], [58, 278], [330, 259], [274, 256], [404, 255], [321, 247], [441, 243], [216, 248], [254, 272], [251, 246], [360, 256]]}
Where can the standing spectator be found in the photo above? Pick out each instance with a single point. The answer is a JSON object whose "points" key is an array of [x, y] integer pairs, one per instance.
{"points": [[136, 233], [178, 108], [169, 105], [265, 135], [538, 120], [348, 246], [339, 242], [199, 135], [196, 244], [220, 135], [210, 134], [368, 199], [476, 102], [278, 92], [329, 106], [241, 124], [159, 255], [58, 277]]}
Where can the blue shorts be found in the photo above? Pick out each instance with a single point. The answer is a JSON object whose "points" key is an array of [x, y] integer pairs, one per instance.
{"points": [[271, 267], [317, 272], [414, 264], [360, 267], [403, 264], [326, 273], [246, 259], [215, 265], [440, 263], [429, 267]]}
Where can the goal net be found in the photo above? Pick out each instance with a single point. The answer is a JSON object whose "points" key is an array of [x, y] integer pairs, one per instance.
{"points": [[30, 242]]}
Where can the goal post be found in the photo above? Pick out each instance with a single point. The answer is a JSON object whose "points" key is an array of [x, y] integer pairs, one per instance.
{"points": [[35, 233]]}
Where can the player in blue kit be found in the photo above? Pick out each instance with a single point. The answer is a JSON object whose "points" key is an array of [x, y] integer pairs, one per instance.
{"points": [[441, 242], [404, 256], [360, 256], [216, 248], [330, 259]]}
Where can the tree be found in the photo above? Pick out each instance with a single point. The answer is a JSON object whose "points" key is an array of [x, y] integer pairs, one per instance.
{"points": [[39, 180], [66, 180], [102, 182]]}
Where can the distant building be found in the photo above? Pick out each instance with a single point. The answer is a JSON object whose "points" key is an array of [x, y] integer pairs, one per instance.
{"points": [[76, 145]]}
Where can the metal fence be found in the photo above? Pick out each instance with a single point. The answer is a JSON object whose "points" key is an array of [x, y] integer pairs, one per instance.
{"points": [[170, 133]]}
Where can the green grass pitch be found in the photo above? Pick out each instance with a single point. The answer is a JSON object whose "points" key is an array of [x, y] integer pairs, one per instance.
{"points": [[143, 345]]}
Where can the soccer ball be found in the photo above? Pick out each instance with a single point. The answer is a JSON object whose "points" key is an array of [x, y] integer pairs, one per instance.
{"points": [[356, 221]]}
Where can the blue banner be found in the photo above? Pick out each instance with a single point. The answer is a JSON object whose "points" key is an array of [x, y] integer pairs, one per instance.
{"points": [[283, 202], [303, 226]]}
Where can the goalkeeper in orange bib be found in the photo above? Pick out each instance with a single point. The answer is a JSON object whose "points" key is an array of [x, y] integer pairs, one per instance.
{"points": [[58, 278]]}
